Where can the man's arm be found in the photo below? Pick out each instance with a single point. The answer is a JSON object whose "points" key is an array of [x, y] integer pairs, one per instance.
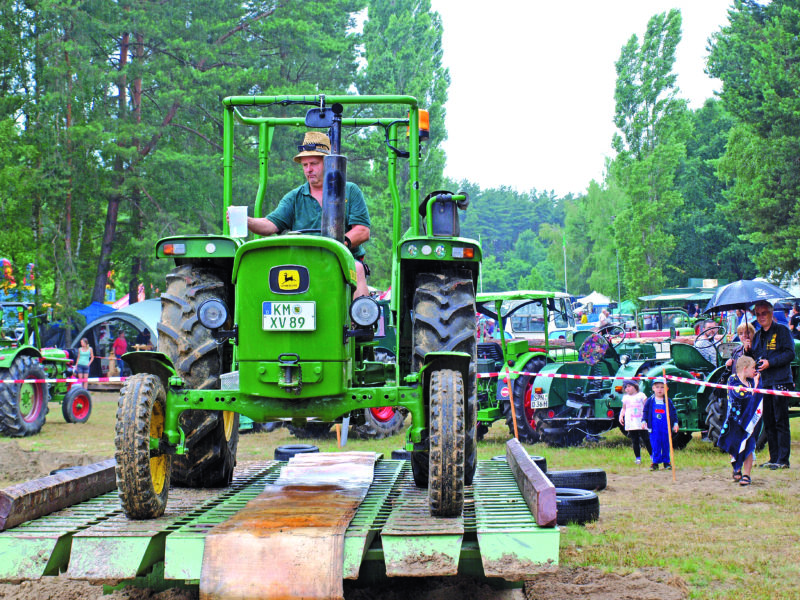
{"points": [[357, 235], [262, 226]]}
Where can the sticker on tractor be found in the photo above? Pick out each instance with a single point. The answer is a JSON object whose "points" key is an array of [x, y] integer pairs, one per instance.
{"points": [[289, 316], [288, 279]]}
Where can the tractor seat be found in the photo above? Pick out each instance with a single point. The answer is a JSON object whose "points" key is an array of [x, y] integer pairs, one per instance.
{"points": [[688, 358]]}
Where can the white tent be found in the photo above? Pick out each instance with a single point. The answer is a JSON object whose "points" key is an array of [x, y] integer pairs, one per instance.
{"points": [[596, 298]]}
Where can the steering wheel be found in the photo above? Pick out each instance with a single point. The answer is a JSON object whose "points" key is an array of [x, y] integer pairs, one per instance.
{"points": [[611, 331], [701, 341]]}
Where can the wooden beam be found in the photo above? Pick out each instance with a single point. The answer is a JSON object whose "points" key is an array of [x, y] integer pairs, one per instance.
{"points": [[536, 488]]}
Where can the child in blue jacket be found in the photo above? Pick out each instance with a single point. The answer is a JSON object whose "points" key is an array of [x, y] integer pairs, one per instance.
{"points": [[655, 419]]}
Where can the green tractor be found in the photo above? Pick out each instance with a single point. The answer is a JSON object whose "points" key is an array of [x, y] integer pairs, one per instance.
{"points": [[570, 410], [24, 406], [502, 393], [269, 329]]}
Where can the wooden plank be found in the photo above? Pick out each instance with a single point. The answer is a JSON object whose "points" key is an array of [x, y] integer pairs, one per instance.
{"points": [[289, 541], [537, 490], [39, 497]]}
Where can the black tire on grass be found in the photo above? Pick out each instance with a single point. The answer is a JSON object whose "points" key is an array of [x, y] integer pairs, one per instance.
{"points": [[584, 479], [287, 451], [312, 430], [576, 506], [212, 437], [379, 423], [143, 475]]}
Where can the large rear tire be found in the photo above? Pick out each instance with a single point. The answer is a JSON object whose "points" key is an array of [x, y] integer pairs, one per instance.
{"points": [[716, 409], [23, 406], [444, 320], [212, 437], [529, 423], [447, 444], [379, 423], [143, 475]]}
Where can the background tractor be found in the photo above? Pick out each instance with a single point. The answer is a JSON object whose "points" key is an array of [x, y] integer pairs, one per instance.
{"points": [[234, 338], [24, 406]]}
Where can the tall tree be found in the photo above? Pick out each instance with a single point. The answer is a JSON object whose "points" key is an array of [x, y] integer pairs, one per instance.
{"points": [[652, 123], [756, 57]]}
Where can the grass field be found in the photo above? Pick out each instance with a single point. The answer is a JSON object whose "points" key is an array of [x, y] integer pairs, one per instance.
{"points": [[723, 540]]}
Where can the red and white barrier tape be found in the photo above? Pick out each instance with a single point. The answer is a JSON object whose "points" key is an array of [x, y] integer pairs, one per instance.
{"points": [[620, 379], [67, 380]]}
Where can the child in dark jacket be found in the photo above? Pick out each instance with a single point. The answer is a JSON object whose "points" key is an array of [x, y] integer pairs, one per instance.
{"points": [[655, 419]]}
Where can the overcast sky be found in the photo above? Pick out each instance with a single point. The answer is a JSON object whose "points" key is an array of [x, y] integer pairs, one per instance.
{"points": [[531, 99]]}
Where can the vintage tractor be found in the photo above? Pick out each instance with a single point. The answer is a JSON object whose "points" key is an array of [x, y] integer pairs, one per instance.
{"points": [[268, 328], [502, 394], [24, 406], [572, 409]]}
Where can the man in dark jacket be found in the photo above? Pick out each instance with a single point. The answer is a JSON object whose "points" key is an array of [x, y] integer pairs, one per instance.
{"points": [[773, 349]]}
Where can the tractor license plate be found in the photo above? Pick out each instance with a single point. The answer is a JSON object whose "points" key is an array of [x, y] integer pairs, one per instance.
{"points": [[539, 401], [289, 316]]}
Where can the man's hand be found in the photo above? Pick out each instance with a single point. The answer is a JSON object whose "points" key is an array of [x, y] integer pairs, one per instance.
{"points": [[762, 365]]}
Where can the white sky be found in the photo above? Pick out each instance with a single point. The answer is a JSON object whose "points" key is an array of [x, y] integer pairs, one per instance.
{"points": [[531, 99]]}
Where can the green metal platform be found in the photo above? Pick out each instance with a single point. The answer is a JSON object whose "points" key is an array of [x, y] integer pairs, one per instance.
{"points": [[391, 534]]}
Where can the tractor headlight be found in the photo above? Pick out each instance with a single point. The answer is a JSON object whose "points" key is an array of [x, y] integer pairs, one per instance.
{"points": [[365, 311], [212, 313]]}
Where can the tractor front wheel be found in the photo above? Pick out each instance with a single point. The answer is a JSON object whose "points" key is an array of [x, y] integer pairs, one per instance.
{"points": [[76, 405], [447, 443], [444, 320], [23, 406], [143, 473]]}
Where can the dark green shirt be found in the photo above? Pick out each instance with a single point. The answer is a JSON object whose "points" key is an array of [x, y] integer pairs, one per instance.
{"points": [[300, 210]]}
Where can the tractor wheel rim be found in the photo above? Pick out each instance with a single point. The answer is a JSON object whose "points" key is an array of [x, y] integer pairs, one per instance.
{"points": [[30, 401], [384, 414], [530, 412], [80, 406], [158, 464]]}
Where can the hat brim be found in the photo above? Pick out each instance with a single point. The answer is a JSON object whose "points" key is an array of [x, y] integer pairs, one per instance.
{"points": [[309, 153]]}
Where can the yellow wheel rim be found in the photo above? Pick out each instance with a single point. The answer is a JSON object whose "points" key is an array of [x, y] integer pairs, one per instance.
{"points": [[227, 421], [158, 464]]}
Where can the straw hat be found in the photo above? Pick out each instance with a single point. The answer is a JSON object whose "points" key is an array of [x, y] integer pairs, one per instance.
{"points": [[314, 144]]}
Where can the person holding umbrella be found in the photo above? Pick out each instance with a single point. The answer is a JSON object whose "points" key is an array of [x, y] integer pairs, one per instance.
{"points": [[773, 348]]}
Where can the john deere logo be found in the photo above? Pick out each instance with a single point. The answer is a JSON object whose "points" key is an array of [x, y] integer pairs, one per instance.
{"points": [[288, 279]]}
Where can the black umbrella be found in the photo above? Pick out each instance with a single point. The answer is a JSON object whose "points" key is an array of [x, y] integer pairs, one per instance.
{"points": [[743, 294]]}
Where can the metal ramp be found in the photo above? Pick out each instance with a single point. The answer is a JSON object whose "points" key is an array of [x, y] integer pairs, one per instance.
{"points": [[496, 537]]}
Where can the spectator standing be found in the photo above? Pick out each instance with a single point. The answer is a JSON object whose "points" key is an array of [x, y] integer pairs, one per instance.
{"points": [[773, 349], [655, 419], [120, 347], [739, 431], [631, 418], [794, 321], [602, 319], [745, 332], [85, 359]]}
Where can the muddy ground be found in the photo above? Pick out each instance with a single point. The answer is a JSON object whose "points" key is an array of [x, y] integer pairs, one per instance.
{"points": [[564, 584]]}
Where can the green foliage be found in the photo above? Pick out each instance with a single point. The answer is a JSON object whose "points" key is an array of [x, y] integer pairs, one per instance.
{"points": [[755, 56]]}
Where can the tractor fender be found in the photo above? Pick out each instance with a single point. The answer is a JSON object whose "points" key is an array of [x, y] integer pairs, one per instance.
{"points": [[555, 388], [506, 379], [155, 363], [457, 361], [9, 355]]}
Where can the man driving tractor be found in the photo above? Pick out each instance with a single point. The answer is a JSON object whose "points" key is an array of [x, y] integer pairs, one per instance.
{"points": [[301, 208]]}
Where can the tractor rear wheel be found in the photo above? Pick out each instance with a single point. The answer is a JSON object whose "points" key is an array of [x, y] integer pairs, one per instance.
{"points": [[529, 423], [716, 410], [379, 423], [23, 406], [212, 437], [76, 405], [444, 320], [143, 474]]}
